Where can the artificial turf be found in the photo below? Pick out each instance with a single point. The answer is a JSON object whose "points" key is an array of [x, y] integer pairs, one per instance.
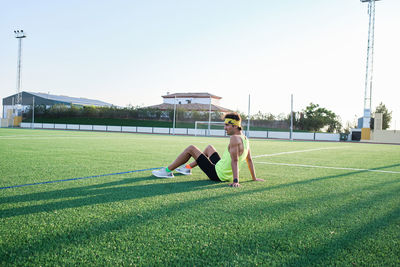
{"points": [[302, 215]]}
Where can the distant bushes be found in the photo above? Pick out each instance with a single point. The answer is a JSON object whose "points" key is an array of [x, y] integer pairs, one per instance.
{"points": [[313, 118], [136, 113]]}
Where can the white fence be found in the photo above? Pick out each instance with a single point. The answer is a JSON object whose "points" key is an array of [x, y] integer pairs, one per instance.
{"points": [[182, 131]]}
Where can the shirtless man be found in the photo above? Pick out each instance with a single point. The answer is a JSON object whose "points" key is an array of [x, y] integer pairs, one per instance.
{"points": [[225, 169]]}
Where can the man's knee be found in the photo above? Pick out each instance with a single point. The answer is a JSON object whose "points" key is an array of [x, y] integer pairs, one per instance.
{"points": [[211, 147], [209, 150], [191, 148], [193, 151]]}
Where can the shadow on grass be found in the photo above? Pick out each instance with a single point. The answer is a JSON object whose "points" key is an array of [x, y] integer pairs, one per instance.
{"points": [[320, 179], [332, 248], [338, 248], [98, 194], [71, 192], [385, 167]]}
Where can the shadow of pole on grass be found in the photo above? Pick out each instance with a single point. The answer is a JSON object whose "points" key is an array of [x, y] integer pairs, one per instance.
{"points": [[93, 195], [330, 249], [108, 195], [70, 192], [115, 194], [266, 238]]}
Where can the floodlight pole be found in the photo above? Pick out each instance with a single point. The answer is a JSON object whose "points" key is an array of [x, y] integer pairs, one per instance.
{"points": [[291, 117], [19, 34], [33, 112], [12, 104], [209, 119], [173, 124], [248, 120], [369, 65]]}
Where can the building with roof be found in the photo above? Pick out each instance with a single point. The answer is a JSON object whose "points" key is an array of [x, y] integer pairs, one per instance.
{"points": [[200, 102], [48, 100]]}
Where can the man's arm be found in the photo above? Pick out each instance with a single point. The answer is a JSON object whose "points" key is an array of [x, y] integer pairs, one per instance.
{"points": [[234, 152], [252, 170]]}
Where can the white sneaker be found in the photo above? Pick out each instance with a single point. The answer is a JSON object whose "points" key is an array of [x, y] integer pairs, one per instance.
{"points": [[162, 173], [183, 170]]}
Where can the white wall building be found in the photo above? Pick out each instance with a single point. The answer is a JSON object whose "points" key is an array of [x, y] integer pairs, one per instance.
{"points": [[192, 98], [192, 102]]}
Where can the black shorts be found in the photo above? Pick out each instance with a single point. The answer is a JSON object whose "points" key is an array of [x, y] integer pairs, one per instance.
{"points": [[207, 165]]}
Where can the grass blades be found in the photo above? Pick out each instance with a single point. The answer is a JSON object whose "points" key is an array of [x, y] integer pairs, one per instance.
{"points": [[301, 216]]}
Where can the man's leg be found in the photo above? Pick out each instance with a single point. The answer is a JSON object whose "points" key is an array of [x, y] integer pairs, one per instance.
{"points": [[208, 152], [205, 159], [190, 151]]}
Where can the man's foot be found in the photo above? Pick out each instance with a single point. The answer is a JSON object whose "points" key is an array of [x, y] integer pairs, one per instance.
{"points": [[183, 170], [162, 173]]}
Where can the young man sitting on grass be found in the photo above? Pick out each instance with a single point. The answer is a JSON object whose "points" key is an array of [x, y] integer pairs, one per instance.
{"points": [[225, 169]]}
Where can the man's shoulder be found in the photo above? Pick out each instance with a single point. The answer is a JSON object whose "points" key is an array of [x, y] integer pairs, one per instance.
{"points": [[235, 139]]}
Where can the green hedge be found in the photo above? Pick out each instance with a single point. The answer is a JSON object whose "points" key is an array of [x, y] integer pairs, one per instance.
{"points": [[129, 122]]}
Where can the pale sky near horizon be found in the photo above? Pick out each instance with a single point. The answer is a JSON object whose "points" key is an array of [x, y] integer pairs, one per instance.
{"points": [[132, 52]]}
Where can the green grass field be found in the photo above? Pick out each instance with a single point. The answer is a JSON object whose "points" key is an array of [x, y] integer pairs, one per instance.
{"points": [[323, 203]]}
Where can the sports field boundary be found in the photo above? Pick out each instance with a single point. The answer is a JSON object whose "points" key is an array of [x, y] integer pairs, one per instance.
{"points": [[284, 135]]}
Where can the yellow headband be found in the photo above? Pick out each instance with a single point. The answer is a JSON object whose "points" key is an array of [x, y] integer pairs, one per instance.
{"points": [[232, 122]]}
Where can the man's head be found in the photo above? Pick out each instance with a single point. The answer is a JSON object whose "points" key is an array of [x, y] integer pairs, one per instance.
{"points": [[232, 123]]}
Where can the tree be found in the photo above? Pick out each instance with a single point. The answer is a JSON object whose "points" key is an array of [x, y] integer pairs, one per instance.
{"points": [[242, 115], [314, 118], [386, 115], [263, 116]]}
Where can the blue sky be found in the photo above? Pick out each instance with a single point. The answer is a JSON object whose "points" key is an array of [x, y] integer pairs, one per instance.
{"points": [[132, 52]]}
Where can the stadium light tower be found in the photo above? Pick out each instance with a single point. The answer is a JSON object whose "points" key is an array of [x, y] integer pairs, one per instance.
{"points": [[370, 64], [19, 34]]}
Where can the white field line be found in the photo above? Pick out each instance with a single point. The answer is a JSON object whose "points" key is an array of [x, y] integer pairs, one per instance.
{"points": [[40, 137], [296, 151], [32, 136], [46, 137], [326, 167]]}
